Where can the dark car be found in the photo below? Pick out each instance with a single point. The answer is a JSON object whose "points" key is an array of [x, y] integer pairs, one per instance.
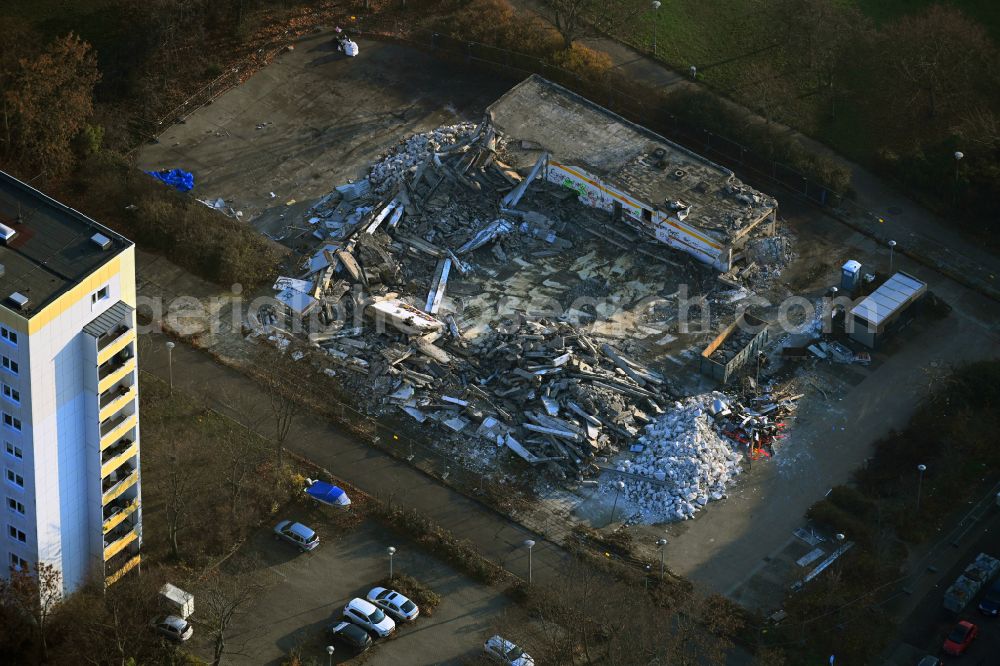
{"points": [[960, 638], [351, 636], [990, 603]]}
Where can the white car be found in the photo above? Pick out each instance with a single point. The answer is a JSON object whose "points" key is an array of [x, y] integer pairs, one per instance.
{"points": [[369, 617], [175, 628], [394, 603], [502, 650]]}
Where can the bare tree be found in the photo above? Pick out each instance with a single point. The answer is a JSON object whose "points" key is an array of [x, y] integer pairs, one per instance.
{"points": [[241, 459], [175, 484], [577, 18], [34, 595], [224, 598], [284, 410]]}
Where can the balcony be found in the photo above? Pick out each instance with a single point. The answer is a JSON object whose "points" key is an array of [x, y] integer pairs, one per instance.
{"points": [[112, 490], [113, 372], [114, 399], [115, 455], [112, 343], [116, 541], [116, 429], [130, 564], [116, 514]]}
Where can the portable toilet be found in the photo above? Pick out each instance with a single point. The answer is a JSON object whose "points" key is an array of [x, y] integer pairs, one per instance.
{"points": [[850, 276]]}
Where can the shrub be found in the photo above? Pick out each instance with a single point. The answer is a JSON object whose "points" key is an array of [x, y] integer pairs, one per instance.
{"points": [[583, 61], [423, 596]]}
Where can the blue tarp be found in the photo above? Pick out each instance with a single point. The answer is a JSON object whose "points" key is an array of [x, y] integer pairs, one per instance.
{"points": [[177, 178], [328, 493]]}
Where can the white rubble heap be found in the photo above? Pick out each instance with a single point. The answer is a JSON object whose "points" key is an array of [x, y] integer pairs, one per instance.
{"points": [[688, 463], [407, 155]]}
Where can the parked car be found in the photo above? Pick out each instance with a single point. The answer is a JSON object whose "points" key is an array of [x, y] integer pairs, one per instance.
{"points": [[960, 638], [296, 534], [175, 628], [990, 603], [394, 603], [350, 635], [502, 650], [369, 617]]}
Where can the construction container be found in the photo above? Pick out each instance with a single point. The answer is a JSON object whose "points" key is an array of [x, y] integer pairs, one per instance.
{"points": [[754, 337]]}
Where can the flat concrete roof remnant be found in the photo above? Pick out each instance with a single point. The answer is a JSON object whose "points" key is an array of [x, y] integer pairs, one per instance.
{"points": [[53, 248], [895, 293], [542, 115]]}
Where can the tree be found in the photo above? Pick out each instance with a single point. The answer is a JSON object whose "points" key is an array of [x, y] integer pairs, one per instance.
{"points": [[48, 103], [824, 33], [34, 595], [224, 598], [242, 458], [576, 18], [284, 410], [175, 485], [934, 62]]}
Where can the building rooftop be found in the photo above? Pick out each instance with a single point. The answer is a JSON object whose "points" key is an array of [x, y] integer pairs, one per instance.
{"points": [[893, 295], [53, 247], [540, 115]]}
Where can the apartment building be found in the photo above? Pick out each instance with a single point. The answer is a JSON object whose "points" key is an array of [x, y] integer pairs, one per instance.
{"points": [[68, 391]]}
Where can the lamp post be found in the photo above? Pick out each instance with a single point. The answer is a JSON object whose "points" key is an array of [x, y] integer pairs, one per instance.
{"points": [[892, 247], [656, 6], [392, 551], [662, 544], [958, 158], [840, 543], [645, 576], [170, 366], [529, 544], [920, 482], [619, 487], [329, 655]]}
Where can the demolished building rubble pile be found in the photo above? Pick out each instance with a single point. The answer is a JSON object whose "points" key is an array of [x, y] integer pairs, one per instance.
{"points": [[429, 216], [692, 453]]}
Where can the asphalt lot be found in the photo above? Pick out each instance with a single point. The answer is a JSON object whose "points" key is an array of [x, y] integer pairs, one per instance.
{"points": [[924, 629], [306, 592], [312, 119]]}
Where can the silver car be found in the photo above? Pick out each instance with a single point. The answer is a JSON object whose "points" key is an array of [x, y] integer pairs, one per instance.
{"points": [[296, 534], [502, 650], [175, 628]]}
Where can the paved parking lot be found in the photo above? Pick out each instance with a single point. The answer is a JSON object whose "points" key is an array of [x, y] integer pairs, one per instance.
{"points": [[305, 592]]}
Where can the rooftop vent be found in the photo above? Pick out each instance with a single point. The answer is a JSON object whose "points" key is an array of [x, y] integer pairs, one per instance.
{"points": [[659, 153], [101, 241], [19, 300], [6, 233], [679, 173]]}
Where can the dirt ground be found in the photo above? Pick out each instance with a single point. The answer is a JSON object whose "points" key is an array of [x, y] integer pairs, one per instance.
{"points": [[331, 116], [310, 120]]}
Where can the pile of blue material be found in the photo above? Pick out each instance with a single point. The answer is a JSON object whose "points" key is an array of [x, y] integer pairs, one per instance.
{"points": [[179, 179]]}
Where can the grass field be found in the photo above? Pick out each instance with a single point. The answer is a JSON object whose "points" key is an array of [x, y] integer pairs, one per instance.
{"points": [[736, 46]]}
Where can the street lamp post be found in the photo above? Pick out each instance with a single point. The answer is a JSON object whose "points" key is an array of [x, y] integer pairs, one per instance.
{"points": [[392, 551], [892, 247], [170, 366], [840, 543], [656, 6], [662, 544], [329, 655], [529, 544], [958, 158], [645, 576], [619, 487], [920, 482]]}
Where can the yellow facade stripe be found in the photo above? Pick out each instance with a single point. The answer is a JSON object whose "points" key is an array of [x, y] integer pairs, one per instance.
{"points": [[629, 202]]}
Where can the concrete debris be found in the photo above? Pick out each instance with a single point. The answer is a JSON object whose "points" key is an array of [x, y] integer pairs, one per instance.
{"points": [[436, 218], [693, 453]]}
